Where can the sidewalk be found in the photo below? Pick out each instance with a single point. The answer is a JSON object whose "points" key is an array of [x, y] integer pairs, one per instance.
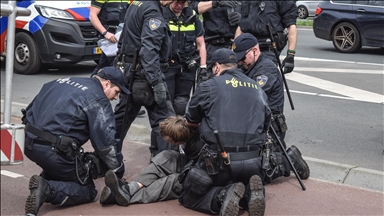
{"points": [[333, 195], [284, 196]]}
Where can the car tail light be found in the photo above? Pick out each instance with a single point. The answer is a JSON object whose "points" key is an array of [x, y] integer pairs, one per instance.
{"points": [[318, 11]]}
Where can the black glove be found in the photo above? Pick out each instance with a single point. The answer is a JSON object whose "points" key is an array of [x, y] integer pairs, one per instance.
{"points": [[160, 92], [202, 75], [288, 63], [220, 3], [234, 18]]}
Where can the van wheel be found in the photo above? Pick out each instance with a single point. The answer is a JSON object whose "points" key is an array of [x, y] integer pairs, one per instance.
{"points": [[346, 38], [302, 12], [27, 56]]}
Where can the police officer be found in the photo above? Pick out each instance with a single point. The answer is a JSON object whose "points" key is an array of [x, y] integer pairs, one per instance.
{"points": [[265, 73], [235, 106], [220, 20], [144, 54], [279, 15], [105, 16], [65, 114], [187, 30]]}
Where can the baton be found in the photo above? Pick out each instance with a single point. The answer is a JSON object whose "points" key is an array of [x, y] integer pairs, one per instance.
{"points": [[224, 155], [286, 156], [280, 67]]}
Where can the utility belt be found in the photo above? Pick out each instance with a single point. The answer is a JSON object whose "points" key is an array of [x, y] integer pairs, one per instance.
{"points": [[213, 162], [130, 59], [214, 40], [63, 144], [265, 43]]}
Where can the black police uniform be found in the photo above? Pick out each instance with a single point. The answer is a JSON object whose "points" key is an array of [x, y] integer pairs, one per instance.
{"points": [[218, 32], [233, 104], [112, 13], [180, 76], [145, 30], [82, 113], [278, 14]]}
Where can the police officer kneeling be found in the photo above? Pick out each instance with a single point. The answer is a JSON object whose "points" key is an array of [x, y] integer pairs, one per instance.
{"points": [[65, 114], [232, 104]]}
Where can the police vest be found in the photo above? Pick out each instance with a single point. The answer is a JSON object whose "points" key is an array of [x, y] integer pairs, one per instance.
{"points": [[183, 33], [113, 12]]}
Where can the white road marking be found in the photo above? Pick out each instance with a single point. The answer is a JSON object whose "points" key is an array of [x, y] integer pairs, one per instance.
{"points": [[338, 70], [10, 174], [353, 93]]}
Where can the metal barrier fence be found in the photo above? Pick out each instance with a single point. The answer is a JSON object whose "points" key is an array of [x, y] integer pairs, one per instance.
{"points": [[12, 135]]}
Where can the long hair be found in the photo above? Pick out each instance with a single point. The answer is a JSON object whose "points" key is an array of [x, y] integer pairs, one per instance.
{"points": [[175, 128]]}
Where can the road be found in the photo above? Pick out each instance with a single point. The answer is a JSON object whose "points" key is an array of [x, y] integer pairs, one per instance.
{"points": [[338, 100]]}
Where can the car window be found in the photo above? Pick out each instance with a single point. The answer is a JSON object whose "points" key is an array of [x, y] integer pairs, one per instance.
{"points": [[362, 2], [376, 3], [343, 1]]}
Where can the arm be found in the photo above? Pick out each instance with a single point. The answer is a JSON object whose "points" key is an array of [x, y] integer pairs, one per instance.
{"points": [[101, 123], [292, 37], [93, 17], [202, 7], [200, 44], [238, 32]]}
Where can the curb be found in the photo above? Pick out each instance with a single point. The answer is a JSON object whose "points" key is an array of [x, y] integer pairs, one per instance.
{"points": [[320, 169]]}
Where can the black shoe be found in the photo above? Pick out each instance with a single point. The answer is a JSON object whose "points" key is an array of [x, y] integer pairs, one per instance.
{"points": [[141, 112], [256, 203], [107, 197], [299, 163], [230, 205], [39, 191], [118, 187]]}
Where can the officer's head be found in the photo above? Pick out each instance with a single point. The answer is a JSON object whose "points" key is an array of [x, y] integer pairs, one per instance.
{"points": [[112, 80], [222, 59], [177, 6], [166, 3], [247, 49]]}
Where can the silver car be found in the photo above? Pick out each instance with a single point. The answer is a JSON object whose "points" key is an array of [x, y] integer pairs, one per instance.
{"points": [[306, 8]]}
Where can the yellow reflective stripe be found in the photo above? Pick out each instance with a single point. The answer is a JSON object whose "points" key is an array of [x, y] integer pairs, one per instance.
{"points": [[174, 27], [113, 1]]}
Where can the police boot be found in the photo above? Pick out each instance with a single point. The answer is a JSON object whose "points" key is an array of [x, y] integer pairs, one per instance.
{"points": [[39, 192], [299, 163], [256, 200], [107, 197], [118, 187], [230, 197]]}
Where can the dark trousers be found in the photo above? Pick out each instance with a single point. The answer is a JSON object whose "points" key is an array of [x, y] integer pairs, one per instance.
{"points": [[156, 114], [271, 54], [104, 61], [242, 172], [60, 173], [212, 48], [179, 82]]}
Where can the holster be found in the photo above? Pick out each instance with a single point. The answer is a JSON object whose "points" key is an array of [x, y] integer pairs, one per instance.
{"points": [[88, 164], [280, 40], [142, 92], [211, 160], [278, 122]]}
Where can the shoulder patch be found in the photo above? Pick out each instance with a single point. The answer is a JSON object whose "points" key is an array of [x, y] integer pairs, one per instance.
{"points": [[154, 23], [261, 80]]}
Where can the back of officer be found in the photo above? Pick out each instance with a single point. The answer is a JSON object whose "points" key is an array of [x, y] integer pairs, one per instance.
{"points": [[65, 114], [188, 47], [236, 107], [144, 53], [105, 16], [280, 15]]}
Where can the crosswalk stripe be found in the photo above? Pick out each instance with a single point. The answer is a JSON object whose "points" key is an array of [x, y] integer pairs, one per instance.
{"points": [[348, 91], [338, 70], [10, 174]]}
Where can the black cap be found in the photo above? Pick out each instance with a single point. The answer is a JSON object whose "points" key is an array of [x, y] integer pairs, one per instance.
{"points": [[223, 56], [115, 76], [243, 43]]}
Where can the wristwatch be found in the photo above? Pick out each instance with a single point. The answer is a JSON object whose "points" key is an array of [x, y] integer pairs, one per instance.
{"points": [[104, 33]]}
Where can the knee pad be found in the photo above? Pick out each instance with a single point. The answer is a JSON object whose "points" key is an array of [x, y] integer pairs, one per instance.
{"points": [[197, 181]]}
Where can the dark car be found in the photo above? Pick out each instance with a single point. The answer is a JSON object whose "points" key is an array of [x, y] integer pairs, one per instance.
{"points": [[350, 24]]}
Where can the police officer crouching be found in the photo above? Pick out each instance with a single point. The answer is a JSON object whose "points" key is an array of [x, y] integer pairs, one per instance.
{"points": [[64, 115]]}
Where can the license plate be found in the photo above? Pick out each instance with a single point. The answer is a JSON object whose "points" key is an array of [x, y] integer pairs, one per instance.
{"points": [[96, 50]]}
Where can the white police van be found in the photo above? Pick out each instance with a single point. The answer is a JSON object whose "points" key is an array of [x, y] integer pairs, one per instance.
{"points": [[56, 32]]}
